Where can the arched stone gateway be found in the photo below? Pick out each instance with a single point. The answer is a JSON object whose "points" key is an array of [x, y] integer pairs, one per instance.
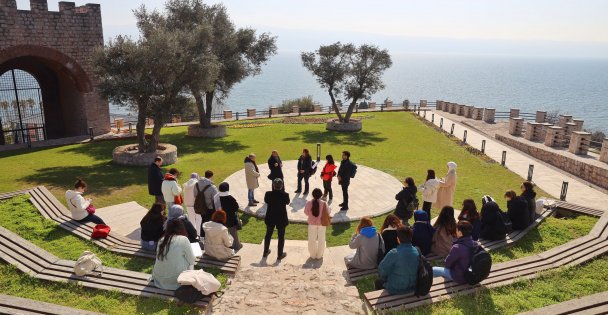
{"points": [[50, 52]]}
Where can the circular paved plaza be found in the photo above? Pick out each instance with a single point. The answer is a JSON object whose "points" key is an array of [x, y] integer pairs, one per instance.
{"points": [[371, 192]]}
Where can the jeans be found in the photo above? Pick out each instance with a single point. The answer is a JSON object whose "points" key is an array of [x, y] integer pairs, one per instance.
{"points": [[92, 218], [250, 195], [269, 231], [306, 185], [149, 245], [442, 272], [327, 189], [316, 241], [426, 206], [236, 244], [345, 196]]}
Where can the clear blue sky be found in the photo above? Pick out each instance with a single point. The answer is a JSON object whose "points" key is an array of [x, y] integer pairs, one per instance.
{"points": [[517, 27]]}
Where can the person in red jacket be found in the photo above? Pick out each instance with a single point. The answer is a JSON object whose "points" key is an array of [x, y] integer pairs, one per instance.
{"points": [[327, 174]]}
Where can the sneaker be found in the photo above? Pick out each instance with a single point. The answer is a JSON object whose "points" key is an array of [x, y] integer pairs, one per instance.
{"points": [[297, 191], [266, 254], [340, 205], [283, 255], [343, 209], [255, 201], [251, 204]]}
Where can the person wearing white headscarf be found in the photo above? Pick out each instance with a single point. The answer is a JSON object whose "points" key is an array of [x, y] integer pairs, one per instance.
{"points": [[176, 212], [189, 197], [447, 186]]}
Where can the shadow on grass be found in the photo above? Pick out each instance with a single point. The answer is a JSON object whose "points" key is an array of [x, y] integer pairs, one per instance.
{"points": [[339, 228], [361, 138]]}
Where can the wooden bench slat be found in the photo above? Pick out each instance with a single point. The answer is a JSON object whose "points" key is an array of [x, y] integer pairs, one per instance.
{"points": [[18, 305], [592, 304]]}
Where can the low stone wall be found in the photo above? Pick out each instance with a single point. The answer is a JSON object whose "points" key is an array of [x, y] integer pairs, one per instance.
{"points": [[129, 155], [560, 159], [352, 126], [216, 131]]}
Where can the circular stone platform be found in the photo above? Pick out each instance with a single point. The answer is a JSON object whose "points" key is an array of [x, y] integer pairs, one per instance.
{"points": [[371, 192]]}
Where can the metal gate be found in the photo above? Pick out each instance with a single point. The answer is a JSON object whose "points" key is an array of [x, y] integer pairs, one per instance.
{"points": [[21, 109]]}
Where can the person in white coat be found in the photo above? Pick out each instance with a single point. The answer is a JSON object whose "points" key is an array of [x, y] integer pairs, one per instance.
{"points": [[82, 210], [251, 176], [447, 186], [217, 239], [189, 196], [429, 192], [170, 188]]}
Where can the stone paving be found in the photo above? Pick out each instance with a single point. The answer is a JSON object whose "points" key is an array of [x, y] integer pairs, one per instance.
{"points": [[369, 187]]}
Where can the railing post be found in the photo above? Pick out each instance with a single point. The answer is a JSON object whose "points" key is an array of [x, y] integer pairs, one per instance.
{"points": [[237, 115], [452, 129], [318, 152], [424, 116], [564, 192], [441, 123], [483, 146], [504, 158], [433, 118], [91, 133], [130, 127], [381, 107], [464, 137], [530, 172]]}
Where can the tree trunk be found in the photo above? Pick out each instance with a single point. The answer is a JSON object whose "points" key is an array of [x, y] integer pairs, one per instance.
{"points": [[334, 105], [200, 105], [140, 128], [209, 104], [155, 140], [350, 110]]}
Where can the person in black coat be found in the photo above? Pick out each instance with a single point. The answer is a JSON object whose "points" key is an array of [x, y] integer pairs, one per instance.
{"points": [[275, 165], [231, 207], [492, 225], [276, 216], [155, 180], [389, 232], [152, 226], [345, 173], [405, 197], [517, 209], [304, 171], [528, 193]]}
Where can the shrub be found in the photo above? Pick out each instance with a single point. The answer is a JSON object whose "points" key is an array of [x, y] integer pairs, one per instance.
{"points": [[306, 104]]}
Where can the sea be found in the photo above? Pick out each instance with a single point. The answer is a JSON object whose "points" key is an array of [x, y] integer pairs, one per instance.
{"points": [[578, 87]]}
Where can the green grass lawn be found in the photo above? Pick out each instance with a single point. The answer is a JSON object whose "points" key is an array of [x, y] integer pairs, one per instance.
{"points": [[21, 217], [396, 143]]}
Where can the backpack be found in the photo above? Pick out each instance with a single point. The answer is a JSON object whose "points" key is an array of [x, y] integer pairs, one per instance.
{"points": [[200, 204], [354, 171], [506, 221], [481, 263], [100, 231], [424, 276], [87, 263], [188, 294]]}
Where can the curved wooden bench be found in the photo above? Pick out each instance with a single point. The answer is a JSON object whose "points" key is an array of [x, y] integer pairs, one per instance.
{"points": [[588, 305], [574, 252], [16, 305], [355, 274], [52, 209]]}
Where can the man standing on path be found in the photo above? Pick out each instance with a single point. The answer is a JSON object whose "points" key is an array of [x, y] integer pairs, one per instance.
{"points": [[155, 179], [206, 187], [346, 171]]}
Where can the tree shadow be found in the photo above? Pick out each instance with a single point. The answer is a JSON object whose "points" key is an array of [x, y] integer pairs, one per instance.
{"points": [[339, 228], [361, 138]]}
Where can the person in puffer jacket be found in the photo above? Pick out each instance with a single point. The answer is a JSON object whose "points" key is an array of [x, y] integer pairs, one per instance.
{"points": [[217, 239], [366, 242], [422, 232]]}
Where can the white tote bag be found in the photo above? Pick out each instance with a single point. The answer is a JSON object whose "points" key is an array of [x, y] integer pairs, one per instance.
{"points": [[201, 280], [87, 264]]}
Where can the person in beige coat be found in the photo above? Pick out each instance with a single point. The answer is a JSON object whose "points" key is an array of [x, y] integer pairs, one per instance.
{"points": [[251, 176], [217, 239], [447, 186]]}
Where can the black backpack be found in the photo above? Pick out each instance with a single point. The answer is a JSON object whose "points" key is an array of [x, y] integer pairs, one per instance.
{"points": [[188, 294], [424, 276], [479, 269], [354, 171], [506, 221], [200, 204]]}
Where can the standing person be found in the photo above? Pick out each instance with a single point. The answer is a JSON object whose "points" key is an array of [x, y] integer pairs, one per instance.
{"points": [[492, 225], [327, 174], [527, 191], [459, 258], [447, 186], [82, 209], [399, 269], [445, 231], [218, 242], [176, 212], [469, 213], [315, 210], [173, 256], [346, 171], [155, 179], [275, 165], [406, 201], [206, 187], [366, 242], [231, 207], [304, 171], [517, 209], [152, 226], [251, 176], [276, 216], [172, 193], [429, 192], [189, 197], [389, 232], [423, 232]]}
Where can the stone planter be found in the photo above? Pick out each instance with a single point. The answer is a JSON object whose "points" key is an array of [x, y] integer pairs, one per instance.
{"points": [[216, 131], [129, 155], [352, 126]]}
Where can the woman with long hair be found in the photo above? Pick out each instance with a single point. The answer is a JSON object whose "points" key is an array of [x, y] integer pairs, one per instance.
{"points": [[152, 226], [528, 193], [429, 192], [447, 187], [445, 231], [304, 171], [389, 232], [276, 217], [217, 239], [173, 256], [407, 202], [328, 172], [315, 209], [470, 214], [82, 209], [275, 165], [366, 243]]}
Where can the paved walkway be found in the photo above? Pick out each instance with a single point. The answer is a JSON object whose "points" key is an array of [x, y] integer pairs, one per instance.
{"points": [[369, 187], [124, 218], [546, 177]]}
